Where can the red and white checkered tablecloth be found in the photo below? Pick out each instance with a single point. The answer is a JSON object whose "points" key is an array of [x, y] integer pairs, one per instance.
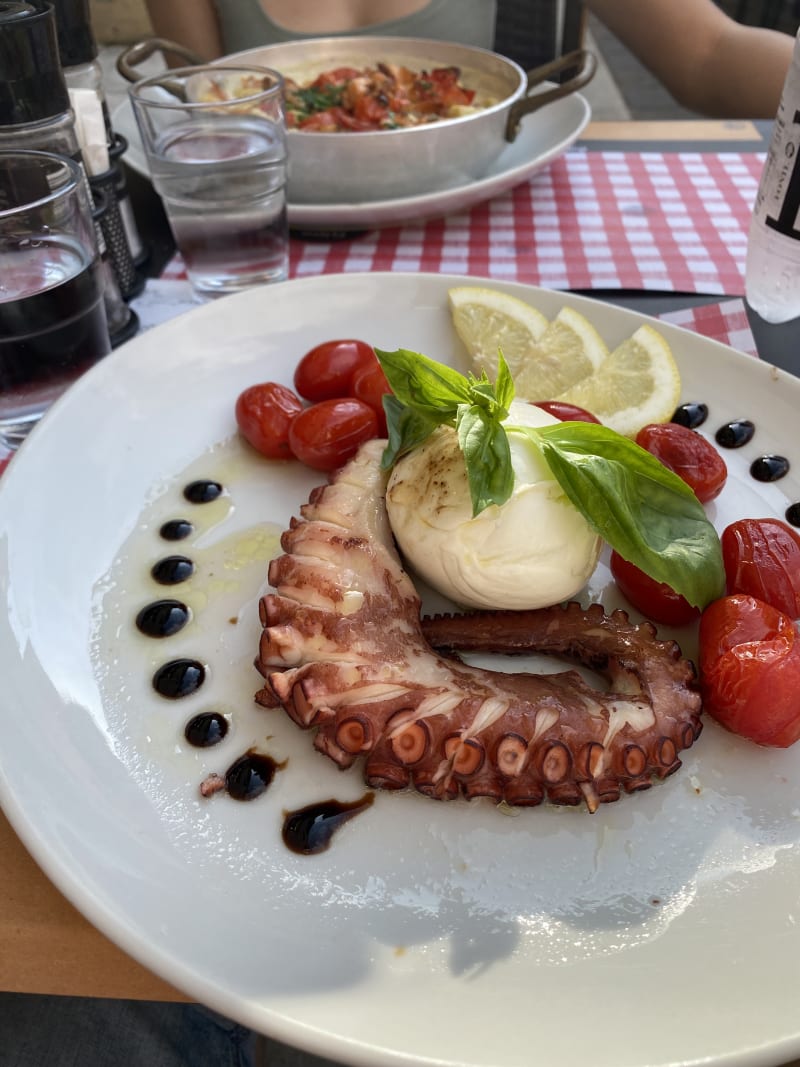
{"points": [[592, 220], [726, 322]]}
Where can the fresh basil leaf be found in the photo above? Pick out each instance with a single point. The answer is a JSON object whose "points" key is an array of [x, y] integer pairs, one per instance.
{"points": [[642, 509], [504, 385], [487, 455], [425, 385], [406, 430]]}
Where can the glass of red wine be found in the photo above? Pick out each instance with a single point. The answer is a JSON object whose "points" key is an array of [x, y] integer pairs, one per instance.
{"points": [[52, 313]]}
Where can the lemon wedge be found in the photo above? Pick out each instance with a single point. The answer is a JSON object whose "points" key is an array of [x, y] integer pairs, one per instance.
{"points": [[639, 383], [544, 357], [487, 320], [569, 350]]}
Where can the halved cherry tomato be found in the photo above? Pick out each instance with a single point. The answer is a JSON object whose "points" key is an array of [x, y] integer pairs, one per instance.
{"points": [[264, 413], [370, 385], [656, 600], [762, 558], [329, 433], [327, 370], [560, 409], [688, 454], [750, 669]]}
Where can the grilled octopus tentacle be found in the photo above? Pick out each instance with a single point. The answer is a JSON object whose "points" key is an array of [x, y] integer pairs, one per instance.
{"points": [[343, 650]]}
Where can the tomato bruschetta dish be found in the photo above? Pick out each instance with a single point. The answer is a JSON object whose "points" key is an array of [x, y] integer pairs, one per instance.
{"points": [[383, 97]]}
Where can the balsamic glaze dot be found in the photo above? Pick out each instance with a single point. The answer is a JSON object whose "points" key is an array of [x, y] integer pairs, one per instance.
{"points": [[735, 433], [202, 491], [793, 514], [769, 468], [309, 830], [249, 776], [206, 729], [172, 569], [162, 618], [690, 414], [176, 529], [179, 678]]}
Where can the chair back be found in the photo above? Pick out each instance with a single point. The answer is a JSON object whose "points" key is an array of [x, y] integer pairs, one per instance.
{"points": [[532, 32]]}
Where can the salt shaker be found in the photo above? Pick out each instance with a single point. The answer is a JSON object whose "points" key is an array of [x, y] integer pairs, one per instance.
{"points": [[82, 72]]}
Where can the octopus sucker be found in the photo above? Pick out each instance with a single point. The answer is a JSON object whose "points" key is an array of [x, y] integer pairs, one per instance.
{"points": [[346, 654]]}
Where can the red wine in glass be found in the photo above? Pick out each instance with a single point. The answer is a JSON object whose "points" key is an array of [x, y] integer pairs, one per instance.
{"points": [[52, 324]]}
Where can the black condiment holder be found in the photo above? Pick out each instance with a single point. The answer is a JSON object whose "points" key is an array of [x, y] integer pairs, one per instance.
{"points": [[123, 322], [130, 281]]}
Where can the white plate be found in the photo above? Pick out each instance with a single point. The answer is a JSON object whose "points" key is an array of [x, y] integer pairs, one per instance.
{"points": [[539, 142], [664, 929]]}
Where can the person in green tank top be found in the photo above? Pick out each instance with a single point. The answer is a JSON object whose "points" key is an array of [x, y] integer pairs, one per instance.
{"points": [[707, 61]]}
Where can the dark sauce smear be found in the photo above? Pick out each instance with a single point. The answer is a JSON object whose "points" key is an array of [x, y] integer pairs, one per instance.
{"points": [[206, 729], [690, 414], [176, 529], [162, 618], [249, 775], [202, 491], [769, 468], [172, 569], [309, 830], [793, 514], [179, 678], [734, 434]]}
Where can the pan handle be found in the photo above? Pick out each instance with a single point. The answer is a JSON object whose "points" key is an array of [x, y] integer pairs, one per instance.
{"points": [[134, 54], [584, 64]]}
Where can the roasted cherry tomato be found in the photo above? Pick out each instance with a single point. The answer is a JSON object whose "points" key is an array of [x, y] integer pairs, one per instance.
{"points": [[688, 454], [264, 413], [750, 669], [370, 385], [762, 558], [656, 600], [329, 433], [327, 371], [559, 409]]}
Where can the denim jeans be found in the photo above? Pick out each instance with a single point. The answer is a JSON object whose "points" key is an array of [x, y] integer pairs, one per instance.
{"points": [[44, 1031]]}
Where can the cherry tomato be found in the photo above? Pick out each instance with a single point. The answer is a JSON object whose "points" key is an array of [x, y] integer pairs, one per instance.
{"points": [[750, 669], [327, 371], [762, 558], [370, 385], [656, 600], [559, 409], [688, 454], [264, 413], [329, 433]]}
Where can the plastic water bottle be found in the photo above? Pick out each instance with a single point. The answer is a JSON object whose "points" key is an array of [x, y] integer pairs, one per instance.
{"points": [[772, 282]]}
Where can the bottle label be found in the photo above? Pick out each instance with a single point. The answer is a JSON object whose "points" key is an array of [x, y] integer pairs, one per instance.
{"points": [[778, 198], [778, 201]]}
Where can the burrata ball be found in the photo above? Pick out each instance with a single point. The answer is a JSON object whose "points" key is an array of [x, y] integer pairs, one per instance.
{"points": [[534, 550]]}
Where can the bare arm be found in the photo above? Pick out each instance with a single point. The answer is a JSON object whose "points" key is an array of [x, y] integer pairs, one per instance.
{"points": [[707, 61], [192, 23]]}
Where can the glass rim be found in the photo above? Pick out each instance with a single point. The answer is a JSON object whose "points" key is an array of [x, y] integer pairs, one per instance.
{"points": [[33, 156], [163, 78]]}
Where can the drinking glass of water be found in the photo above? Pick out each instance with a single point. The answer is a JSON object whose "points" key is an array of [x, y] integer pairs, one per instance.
{"points": [[52, 312], [215, 140]]}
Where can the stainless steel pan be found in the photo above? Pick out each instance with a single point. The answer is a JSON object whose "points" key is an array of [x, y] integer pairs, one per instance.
{"points": [[411, 161]]}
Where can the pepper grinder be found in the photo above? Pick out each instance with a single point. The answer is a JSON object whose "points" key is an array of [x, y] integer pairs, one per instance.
{"points": [[35, 114]]}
